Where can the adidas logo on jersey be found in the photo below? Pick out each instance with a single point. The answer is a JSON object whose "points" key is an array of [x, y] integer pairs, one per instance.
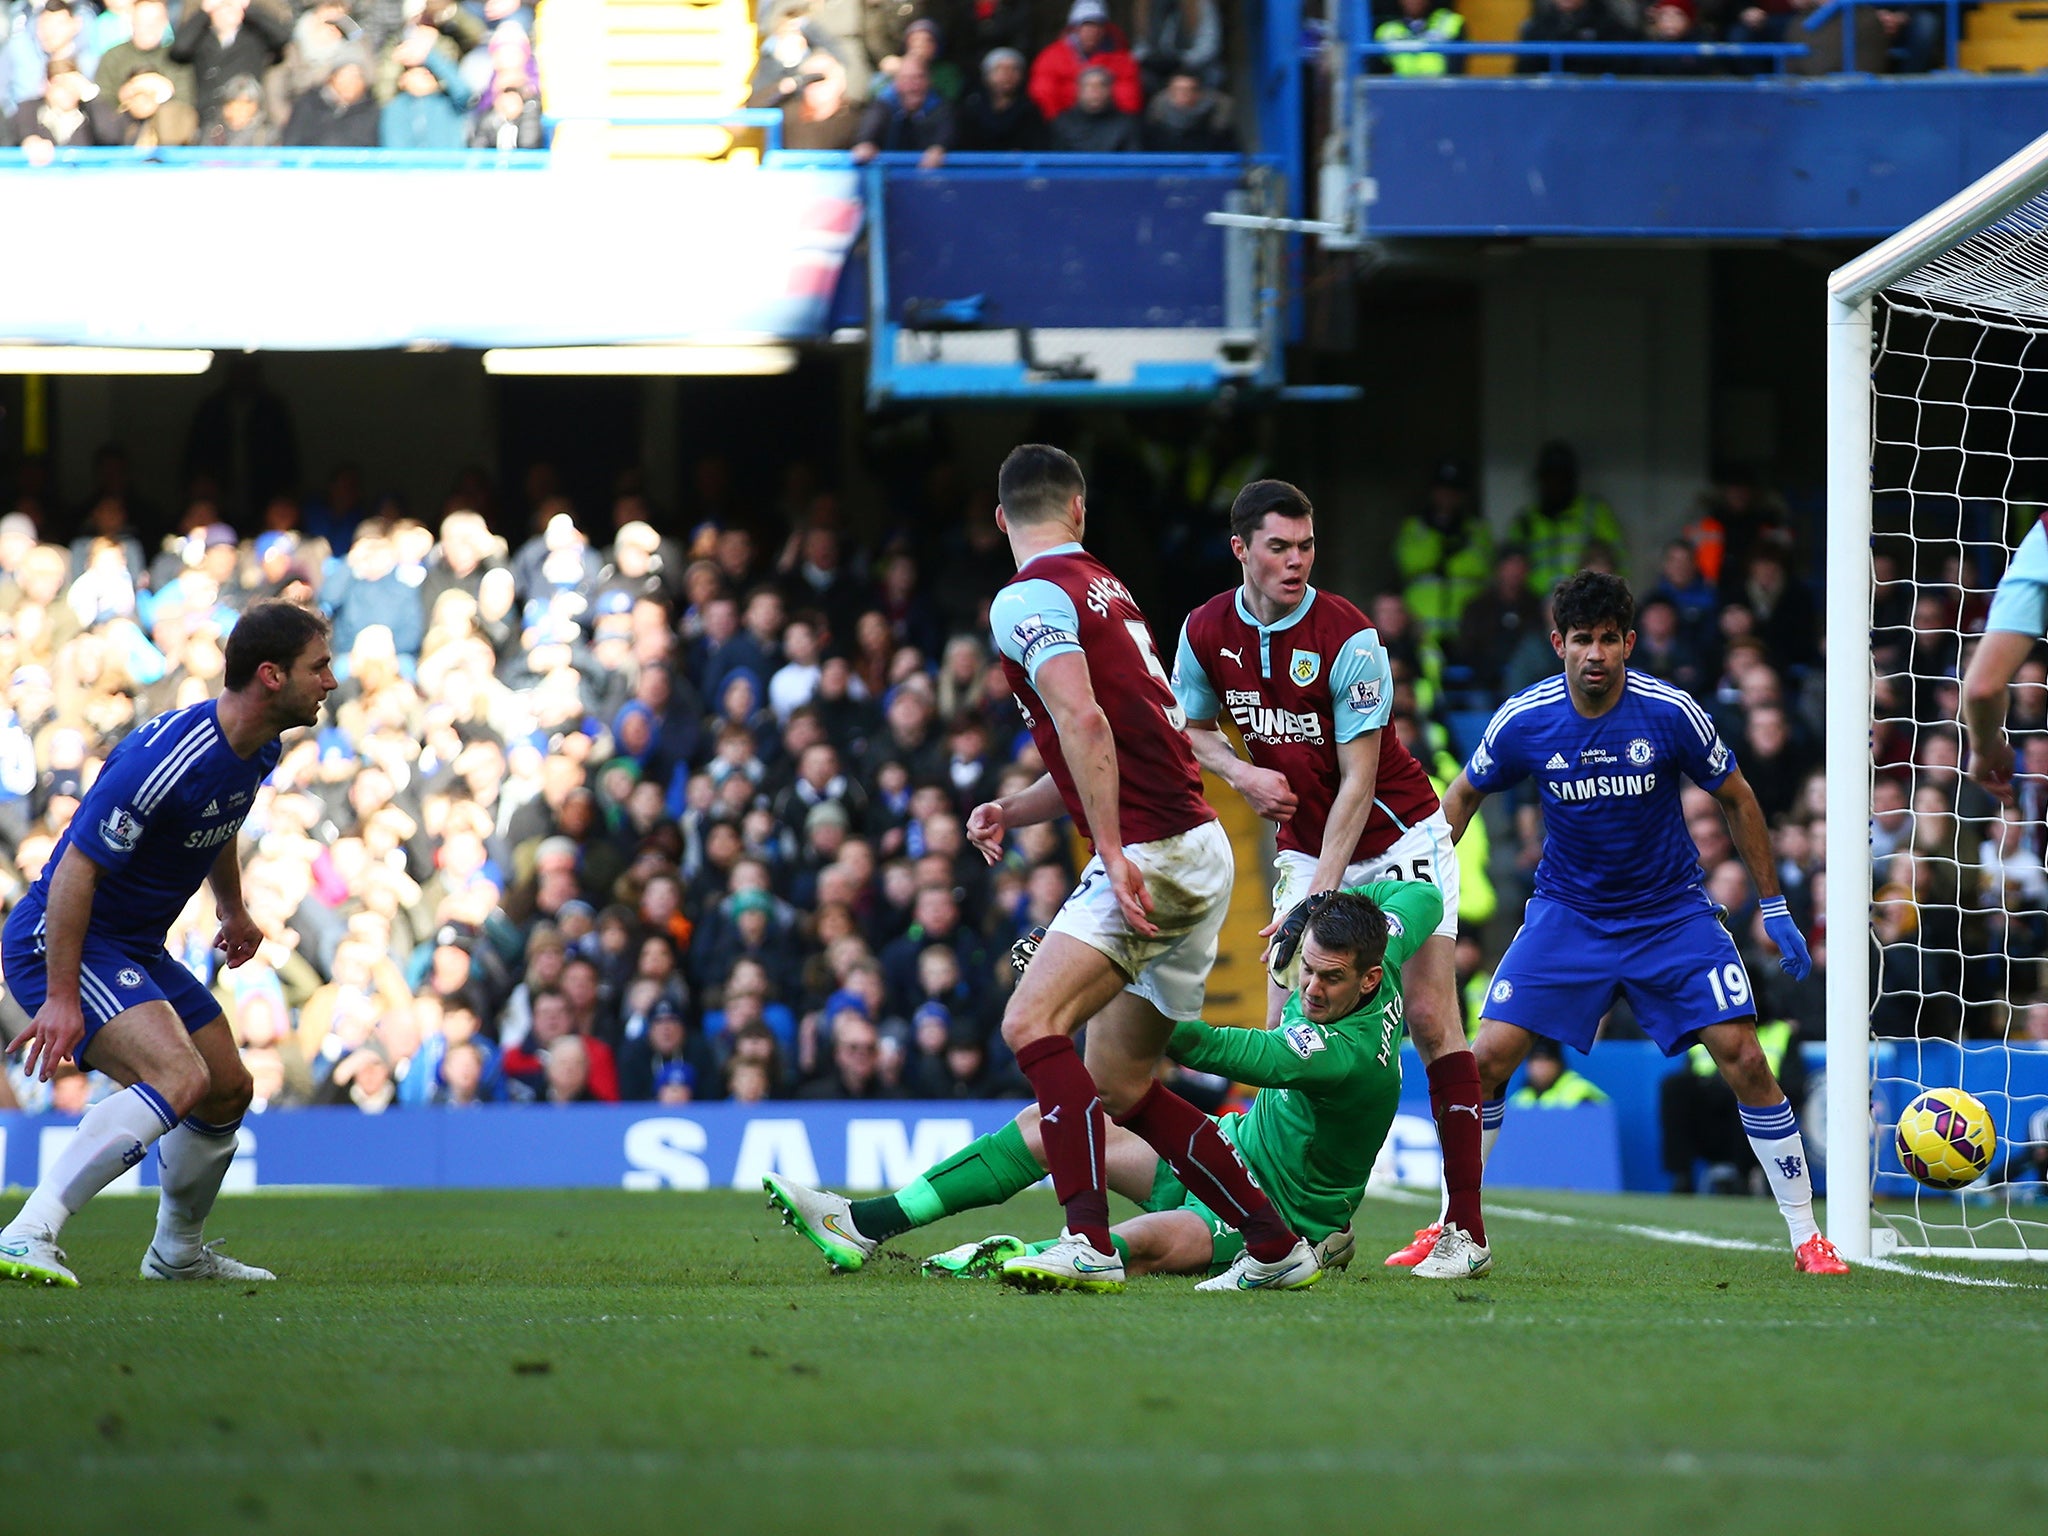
{"points": [[212, 808], [1556, 762]]}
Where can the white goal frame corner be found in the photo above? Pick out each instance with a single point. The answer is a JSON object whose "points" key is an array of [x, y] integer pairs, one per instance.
{"points": [[1852, 288]]}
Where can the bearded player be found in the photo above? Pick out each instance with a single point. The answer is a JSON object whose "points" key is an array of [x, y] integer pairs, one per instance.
{"points": [[1130, 950], [1336, 1055], [1304, 677], [1620, 904], [84, 951]]}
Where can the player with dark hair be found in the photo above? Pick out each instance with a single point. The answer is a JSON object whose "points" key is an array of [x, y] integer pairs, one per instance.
{"points": [[84, 951], [1131, 948], [1336, 1055], [1302, 674], [1620, 904]]}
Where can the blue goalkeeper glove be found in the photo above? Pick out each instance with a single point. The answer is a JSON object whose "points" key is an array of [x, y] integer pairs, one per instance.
{"points": [[1793, 959]]}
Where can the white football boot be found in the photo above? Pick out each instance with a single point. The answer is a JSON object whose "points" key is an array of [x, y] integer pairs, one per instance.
{"points": [[1071, 1264], [36, 1258], [824, 1219], [209, 1263], [1455, 1257], [1295, 1272]]}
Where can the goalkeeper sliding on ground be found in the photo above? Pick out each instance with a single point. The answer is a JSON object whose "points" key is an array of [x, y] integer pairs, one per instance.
{"points": [[1332, 1075]]}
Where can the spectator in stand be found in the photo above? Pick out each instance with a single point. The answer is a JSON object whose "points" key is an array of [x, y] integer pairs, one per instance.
{"points": [[146, 112], [57, 31], [1672, 22], [856, 1062], [802, 70], [670, 1052], [1444, 553], [148, 45], [1184, 37], [1758, 21], [427, 111], [1189, 118], [1090, 41], [1775, 764], [1573, 21], [813, 573], [1500, 620], [1093, 125], [1685, 586], [238, 119], [56, 118], [976, 28], [1662, 649], [366, 588], [916, 122], [921, 45], [512, 121], [823, 114], [999, 117], [322, 33], [339, 114], [1560, 525], [221, 40], [1784, 610], [1420, 21]]}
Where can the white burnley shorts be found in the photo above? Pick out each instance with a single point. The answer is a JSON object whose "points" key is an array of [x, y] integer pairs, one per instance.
{"points": [[1424, 852], [1189, 875]]}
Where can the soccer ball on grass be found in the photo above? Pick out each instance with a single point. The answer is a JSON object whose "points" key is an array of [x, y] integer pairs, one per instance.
{"points": [[1945, 1138]]}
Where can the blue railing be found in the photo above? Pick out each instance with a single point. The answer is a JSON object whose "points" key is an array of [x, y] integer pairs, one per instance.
{"points": [[309, 157], [1776, 54], [1952, 26], [837, 159]]}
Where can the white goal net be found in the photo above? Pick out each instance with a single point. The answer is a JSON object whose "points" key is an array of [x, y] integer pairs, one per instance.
{"points": [[1955, 980]]}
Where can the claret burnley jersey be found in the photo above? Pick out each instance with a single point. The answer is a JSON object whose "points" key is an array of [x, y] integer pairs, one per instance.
{"points": [[1065, 600], [1296, 689]]}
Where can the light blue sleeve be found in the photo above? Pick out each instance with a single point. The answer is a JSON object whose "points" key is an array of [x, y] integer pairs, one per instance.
{"points": [[1191, 683], [2020, 605], [1361, 686], [1034, 621]]}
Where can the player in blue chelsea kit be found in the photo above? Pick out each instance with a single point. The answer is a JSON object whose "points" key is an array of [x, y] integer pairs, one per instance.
{"points": [[1620, 904], [84, 951]]}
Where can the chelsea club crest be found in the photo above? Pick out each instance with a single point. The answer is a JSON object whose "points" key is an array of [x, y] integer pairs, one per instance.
{"points": [[1308, 665], [1639, 752]]}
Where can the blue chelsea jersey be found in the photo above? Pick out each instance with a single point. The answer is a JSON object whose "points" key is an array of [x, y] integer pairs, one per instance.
{"points": [[1615, 842], [172, 794]]}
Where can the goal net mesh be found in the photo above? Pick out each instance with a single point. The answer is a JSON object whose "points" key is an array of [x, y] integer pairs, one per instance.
{"points": [[1959, 425]]}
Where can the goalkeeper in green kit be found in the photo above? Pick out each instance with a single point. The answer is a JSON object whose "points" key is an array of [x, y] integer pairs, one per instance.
{"points": [[1331, 1075]]}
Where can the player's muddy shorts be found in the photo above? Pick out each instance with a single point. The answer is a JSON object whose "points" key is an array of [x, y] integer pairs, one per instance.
{"points": [[1189, 876]]}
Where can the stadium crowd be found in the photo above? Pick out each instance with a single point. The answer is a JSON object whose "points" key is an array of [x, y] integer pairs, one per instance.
{"points": [[911, 76], [677, 814]]}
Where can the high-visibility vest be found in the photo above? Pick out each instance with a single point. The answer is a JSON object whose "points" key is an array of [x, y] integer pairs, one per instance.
{"points": [[1439, 581], [1440, 27], [1775, 1037], [1477, 899], [1557, 541], [1569, 1089]]}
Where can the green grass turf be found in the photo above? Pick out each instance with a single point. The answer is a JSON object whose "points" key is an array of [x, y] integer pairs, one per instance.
{"points": [[615, 1362]]}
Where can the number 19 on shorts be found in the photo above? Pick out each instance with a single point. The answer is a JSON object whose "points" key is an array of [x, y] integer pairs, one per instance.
{"points": [[1730, 983]]}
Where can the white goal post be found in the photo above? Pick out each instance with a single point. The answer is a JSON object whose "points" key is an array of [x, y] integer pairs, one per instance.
{"points": [[1957, 296]]}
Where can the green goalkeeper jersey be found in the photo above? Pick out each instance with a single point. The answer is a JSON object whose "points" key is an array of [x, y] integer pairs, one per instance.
{"points": [[1329, 1091]]}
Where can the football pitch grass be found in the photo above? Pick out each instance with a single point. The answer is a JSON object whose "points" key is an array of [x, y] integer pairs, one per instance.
{"points": [[614, 1362]]}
